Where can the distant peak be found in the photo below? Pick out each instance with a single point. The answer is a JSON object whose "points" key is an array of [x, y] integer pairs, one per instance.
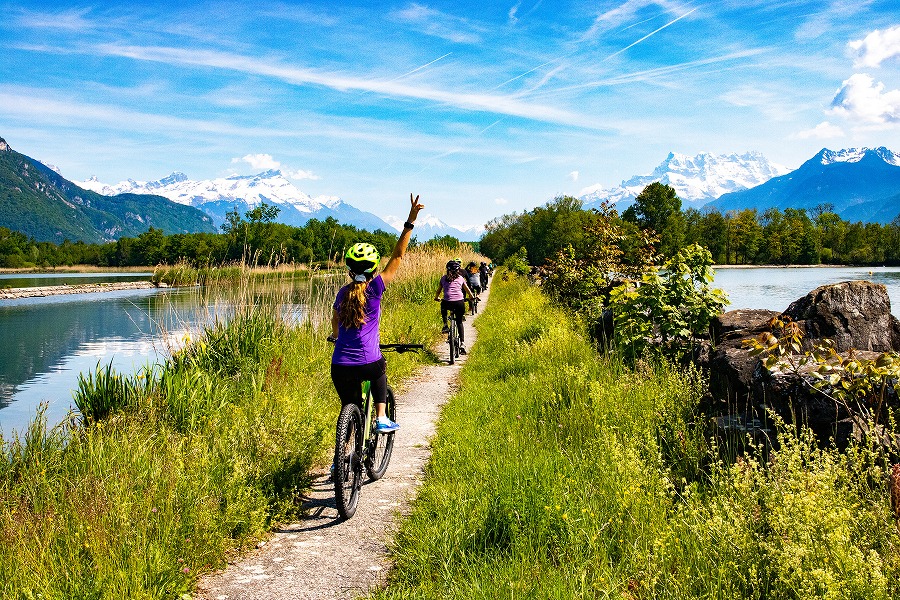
{"points": [[852, 155]]}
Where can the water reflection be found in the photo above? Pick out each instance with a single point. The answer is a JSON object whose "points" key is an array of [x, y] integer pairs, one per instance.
{"points": [[48, 341]]}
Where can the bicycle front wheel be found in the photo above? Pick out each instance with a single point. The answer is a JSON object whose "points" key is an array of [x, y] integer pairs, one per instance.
{"points": [[347, 460], [381, 444]]}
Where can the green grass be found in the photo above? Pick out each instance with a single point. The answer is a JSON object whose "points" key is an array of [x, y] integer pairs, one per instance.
{"points": [[558, 473], [178, 467]]}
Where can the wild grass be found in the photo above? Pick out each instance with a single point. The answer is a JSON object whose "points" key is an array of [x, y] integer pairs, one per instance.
{"points": [[558, 473], [182, 274], [173, 469]]}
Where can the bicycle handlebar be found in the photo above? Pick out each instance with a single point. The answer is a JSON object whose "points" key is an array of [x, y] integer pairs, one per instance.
{"points": [[398, 348], [401, 348]]}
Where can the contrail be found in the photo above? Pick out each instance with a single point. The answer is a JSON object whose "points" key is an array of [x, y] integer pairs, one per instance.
{"points": [[489, 126], [420, 68], [549, 62], [672, 22]]}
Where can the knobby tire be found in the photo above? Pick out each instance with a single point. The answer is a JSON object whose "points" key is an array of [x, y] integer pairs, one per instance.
{"points": [[381, 444], [347, 460]]}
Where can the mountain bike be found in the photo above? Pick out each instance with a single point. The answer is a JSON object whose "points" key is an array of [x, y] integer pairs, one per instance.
{"points": [[359, 445]]}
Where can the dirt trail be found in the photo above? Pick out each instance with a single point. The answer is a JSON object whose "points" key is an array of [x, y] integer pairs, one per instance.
{"points": [[323, 557]]}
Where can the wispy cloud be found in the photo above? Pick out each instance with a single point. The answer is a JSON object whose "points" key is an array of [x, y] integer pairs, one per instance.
{"points": [[876, 47], [72, 20], [438, 24], [258, 161], [822, 131], [620, 15], [574, 175], [500, 104], [820, 23]]}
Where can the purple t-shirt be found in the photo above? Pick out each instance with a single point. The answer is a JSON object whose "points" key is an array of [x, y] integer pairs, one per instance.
{"points": [[453, 288], [359, 345]]}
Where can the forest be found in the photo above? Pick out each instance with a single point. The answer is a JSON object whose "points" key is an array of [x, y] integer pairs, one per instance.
{"points": [[253, 238], [746, 237]]}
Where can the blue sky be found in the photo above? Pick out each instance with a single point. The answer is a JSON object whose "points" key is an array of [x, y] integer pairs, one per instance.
{"points": [[482, 108]]}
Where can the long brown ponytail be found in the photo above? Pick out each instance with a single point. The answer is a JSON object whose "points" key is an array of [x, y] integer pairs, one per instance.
{"points": [[352, 311]]}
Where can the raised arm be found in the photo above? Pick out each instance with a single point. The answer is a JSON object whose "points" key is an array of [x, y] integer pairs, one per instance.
{"points": [[393, 264]]}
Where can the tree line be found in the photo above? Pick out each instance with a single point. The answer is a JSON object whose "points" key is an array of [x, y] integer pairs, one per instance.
{"points": [[776, 237], [253, 237]]}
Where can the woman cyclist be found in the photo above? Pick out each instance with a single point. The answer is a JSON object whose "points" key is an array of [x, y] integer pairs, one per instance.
{"points": [[355, 318], [455, 290]]}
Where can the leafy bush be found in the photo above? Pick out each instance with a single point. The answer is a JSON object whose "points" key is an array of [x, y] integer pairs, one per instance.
{"points": [[667, 313]]}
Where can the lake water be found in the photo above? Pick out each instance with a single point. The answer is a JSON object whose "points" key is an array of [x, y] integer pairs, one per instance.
{"points": [[46, 342], [775, 288]]}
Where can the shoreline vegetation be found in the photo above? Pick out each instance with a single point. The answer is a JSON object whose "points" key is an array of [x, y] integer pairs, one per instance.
{"points": [[560, 472], [168, 472]]}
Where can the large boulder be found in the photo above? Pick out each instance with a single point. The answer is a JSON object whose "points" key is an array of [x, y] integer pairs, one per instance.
{"points": [[853, 314]]}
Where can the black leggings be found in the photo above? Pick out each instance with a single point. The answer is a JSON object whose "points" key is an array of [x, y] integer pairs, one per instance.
{"points": [[348, 381], [458, 308]]}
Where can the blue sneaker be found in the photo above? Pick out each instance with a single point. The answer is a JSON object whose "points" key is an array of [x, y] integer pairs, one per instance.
{"points": [[385, 425]]}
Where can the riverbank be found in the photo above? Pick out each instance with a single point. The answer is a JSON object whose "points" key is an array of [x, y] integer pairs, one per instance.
{"points": [[82, 288]]}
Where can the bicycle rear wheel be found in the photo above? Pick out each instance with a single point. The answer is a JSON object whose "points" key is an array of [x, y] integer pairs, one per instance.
{"points": [[381, 444], [452, 340], [347, 460]]}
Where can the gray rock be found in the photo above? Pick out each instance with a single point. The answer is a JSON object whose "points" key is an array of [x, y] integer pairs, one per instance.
{"points": [[854, 314]]}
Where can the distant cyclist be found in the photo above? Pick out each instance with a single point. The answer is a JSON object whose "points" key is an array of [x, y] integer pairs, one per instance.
{"points": [[455, 289], [484, 272], [473, 278], [355, 319]]}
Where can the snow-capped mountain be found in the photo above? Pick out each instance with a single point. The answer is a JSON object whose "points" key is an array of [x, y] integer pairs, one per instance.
{"points": [[429, 226], [853, 155], [217, 197], [861, 184], [697, 179]]}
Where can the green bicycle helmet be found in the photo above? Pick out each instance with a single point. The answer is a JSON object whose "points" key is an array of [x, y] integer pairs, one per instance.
{"points": [[362, 258]]}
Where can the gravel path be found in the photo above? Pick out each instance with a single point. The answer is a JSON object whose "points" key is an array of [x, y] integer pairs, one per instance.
{"points": [[323, 557]]}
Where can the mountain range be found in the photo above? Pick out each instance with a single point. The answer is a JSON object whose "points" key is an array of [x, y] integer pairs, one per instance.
{"points": [[862, 184], [216, 197], [696, 179], [41, 203]]}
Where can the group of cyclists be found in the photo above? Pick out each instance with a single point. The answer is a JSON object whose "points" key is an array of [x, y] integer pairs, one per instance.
{"points": [[356, 314]]}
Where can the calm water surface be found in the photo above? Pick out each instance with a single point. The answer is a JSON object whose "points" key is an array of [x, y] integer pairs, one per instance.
{"points": [[775, 288], [47, 342]]}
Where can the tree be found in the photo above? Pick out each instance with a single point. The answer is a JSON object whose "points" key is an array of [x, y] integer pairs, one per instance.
{"points": [[658, 207]]}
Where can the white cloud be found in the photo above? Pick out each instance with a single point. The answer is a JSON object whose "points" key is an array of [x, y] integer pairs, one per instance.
{"points": [[301, 174], [501, 201], [590, 189], [822, 131], [877, 47], [573, 175], [861, 99], [259, 161]]}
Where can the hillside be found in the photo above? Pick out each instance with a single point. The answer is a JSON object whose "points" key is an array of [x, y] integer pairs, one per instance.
{"points": [[42, 204], [862, 184]]}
